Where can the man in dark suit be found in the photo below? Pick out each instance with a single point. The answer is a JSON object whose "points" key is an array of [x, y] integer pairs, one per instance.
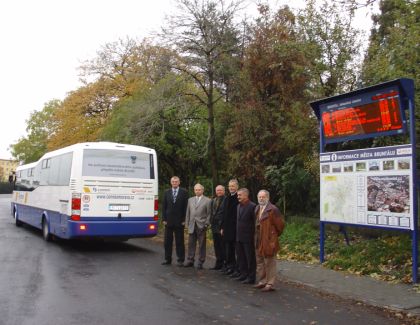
{"points": [[174, 209], [215, 221], [228, 228], [245, 231]]}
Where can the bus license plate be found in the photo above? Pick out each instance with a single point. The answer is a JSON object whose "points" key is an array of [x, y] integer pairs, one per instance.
{"points": [[119, 207]]}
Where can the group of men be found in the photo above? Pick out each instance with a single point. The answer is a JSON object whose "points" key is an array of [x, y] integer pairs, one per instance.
{"points": [[245, 234]]}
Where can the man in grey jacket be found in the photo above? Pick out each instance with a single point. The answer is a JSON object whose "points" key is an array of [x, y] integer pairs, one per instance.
{"points": [[197, 221]]}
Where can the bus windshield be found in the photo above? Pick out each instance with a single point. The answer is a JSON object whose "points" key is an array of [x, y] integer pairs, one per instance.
{"points": [[117, 163]]}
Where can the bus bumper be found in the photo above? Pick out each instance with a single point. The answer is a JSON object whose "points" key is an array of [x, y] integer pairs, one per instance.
{"points": [[125, 229]]}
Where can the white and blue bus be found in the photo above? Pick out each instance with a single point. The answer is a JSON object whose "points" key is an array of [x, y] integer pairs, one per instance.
{"points": [[94, 189]]}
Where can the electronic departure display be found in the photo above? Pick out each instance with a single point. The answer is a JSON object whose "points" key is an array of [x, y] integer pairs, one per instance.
{"points": [[369, 114], [381, 115]]}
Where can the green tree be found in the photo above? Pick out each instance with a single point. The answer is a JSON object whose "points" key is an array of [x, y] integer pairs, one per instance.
{"points": [[295, 187], [393, 52], [356, 4], [82, 114], [124, 65], [127, 65], [163, 118], [272, 119], [119, 70], [205, 36], [333, 46], [40, 128]]}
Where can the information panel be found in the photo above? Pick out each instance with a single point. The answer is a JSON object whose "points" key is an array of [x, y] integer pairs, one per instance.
{"points": [[368, 187]]}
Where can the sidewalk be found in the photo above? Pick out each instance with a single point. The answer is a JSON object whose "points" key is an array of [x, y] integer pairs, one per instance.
{"points": [[397, 297]]}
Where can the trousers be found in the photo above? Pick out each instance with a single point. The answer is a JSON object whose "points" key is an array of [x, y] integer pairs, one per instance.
{"points": [[179, 243], [246, 259], [218, 249], [200, 236], [230, 249], [266, 269]]}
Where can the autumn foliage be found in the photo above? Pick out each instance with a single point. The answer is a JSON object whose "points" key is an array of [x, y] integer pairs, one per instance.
{"points": [[219, 96]]}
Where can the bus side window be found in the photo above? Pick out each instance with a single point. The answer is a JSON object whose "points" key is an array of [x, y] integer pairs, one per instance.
{"points": [[65, 169], [46, 163], [21, 180], [60, 170]]}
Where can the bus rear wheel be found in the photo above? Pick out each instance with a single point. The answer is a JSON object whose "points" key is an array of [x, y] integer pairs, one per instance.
{"points": [[45, 230], [18, 223]]}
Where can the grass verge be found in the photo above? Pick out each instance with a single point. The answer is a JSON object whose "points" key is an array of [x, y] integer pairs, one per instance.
{"points": [[386, 257]]}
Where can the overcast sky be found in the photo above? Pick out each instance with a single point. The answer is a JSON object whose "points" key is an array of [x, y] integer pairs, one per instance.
{"points": [[44, 41]]}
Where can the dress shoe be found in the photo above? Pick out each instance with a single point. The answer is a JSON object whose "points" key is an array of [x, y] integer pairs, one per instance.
{"points": [[267, 288], [199, 266], [241, 278], [248, 281], [229, 272], [189, 264], [179, 264], [259, 285], [235, 275], [166, 263]]}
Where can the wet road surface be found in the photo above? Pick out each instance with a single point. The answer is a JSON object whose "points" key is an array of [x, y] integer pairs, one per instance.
{"points": [[65, 282]]}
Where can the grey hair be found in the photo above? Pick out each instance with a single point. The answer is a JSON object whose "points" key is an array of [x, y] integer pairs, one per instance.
{"points": [[266, 192], [244, 190], [198, 184], [234, 180]]}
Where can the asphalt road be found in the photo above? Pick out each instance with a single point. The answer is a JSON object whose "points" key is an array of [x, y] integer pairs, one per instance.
{"points": [[123, 283]]}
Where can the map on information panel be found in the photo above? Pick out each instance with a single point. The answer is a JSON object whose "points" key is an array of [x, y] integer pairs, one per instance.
{"points": [[367, 187]]}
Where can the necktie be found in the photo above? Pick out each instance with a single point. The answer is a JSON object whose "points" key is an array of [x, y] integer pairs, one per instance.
{"points": [[174, 193]]}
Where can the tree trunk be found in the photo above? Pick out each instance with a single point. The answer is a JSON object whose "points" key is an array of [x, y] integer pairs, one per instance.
{"points": [[212, 135]]}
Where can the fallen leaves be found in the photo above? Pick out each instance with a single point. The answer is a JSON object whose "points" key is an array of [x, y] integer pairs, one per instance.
{"points": [[385, 258]]}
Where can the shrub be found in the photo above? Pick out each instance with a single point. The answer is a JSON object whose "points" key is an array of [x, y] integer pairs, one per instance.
{"points": [[5, 188]]}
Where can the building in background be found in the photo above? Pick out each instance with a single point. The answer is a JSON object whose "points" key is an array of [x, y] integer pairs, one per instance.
{"points": [[7, 167]]}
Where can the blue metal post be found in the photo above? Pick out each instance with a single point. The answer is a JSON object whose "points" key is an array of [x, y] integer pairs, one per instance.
{"points": [[321, 224], [415, 254], [414, 237], [321, 241]]}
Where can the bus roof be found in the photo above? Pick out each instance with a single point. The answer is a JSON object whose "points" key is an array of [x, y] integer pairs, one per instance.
{"points": [[90, 145], [97, 145], [26, 166]]}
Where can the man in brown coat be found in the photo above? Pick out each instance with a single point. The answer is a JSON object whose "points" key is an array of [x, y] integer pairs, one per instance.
{"points": [[269, 226]]}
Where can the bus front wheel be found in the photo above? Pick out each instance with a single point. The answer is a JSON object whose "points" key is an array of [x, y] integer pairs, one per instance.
{"points": [[45, 230]]}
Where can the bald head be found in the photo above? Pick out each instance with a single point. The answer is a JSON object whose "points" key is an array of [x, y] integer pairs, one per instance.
{"points": [[220, 190]]}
